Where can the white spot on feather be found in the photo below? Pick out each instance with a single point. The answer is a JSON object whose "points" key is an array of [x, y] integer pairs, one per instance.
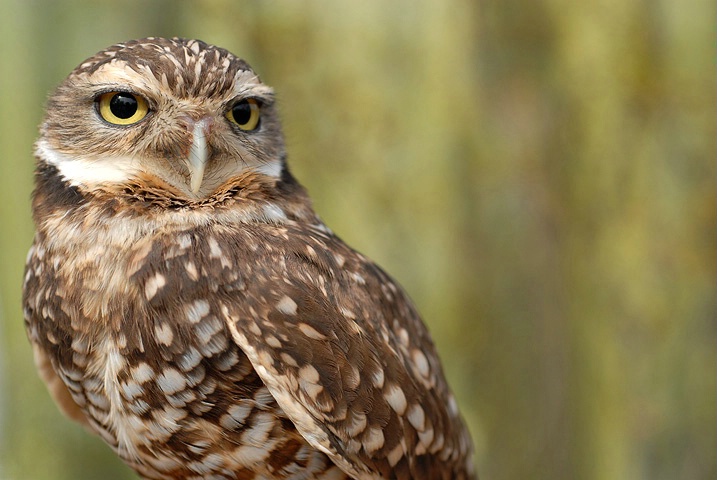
{"points": [[274, 213], [358, 423], [395, 455], [403, 337], [142, 373], [262, 424], [163, 333], [348, 313], [215, 251], [378, 378], [288, 359], [162, 463], [396, 398], [131, 390], [421, 363], [250, 455], [309, 373], [98, 400], [426, 438], [165, 82], [417, 417], [198, 69], [189, 359], [309, 381], [373, 440], [153, 285], [192, 272], [166, 421], [207, 328], [196, 310], [311, 389], [310, 331], [340, 260], [184, 241], [236, 416], [286, 305], [452, 405], [171, 381]]}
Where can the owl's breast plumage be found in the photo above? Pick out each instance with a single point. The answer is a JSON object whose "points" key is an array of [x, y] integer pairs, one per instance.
{"points": [[187, 334], [129, 315]]}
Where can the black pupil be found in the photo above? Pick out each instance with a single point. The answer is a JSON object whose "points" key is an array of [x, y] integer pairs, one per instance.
{"points": [[123, 105], [242, 112]]}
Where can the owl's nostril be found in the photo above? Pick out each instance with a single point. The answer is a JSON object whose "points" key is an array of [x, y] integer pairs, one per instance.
{"points": [[190, 123]]}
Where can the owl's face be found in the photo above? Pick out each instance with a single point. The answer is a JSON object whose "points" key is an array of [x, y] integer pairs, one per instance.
{"points": [[180, 115]]}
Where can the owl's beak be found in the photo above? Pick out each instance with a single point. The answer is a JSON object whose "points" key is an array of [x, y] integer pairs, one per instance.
{"points": [[198, 154]]}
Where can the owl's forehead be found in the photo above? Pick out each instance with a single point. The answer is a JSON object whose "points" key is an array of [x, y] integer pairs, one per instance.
{"points": [[184, 68]]}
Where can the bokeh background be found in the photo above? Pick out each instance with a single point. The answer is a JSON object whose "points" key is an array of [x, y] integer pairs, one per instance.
{"points": [[540, 176]]}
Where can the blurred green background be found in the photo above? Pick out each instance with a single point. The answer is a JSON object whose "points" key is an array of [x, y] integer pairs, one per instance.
{"points": [[540, 176]]}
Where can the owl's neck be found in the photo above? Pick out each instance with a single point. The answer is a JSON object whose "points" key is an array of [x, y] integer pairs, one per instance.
{"points": [[145, 205]]}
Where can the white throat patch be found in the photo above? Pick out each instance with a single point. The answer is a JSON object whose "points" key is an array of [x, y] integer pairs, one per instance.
{"points": [[88, 171], [94, 171]]}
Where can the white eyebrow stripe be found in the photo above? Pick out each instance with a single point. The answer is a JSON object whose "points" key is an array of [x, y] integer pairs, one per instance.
{"points": [[271, 169]]}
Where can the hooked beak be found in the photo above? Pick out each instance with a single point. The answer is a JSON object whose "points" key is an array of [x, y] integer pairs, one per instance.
{"points": [[198, 155]]}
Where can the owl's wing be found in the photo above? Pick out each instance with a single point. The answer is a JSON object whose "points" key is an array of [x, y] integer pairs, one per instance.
{"points": [[349, 361], [57, 388]]}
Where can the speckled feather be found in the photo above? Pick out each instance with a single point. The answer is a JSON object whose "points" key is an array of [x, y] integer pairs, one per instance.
{"points": [[230, 335]]}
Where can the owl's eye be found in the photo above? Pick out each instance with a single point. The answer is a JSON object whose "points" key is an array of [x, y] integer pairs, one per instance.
{"points": [[245, 114], [122, 108]]}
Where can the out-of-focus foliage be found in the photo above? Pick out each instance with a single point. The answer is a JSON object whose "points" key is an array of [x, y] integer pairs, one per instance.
{"points": [[538, 175]]}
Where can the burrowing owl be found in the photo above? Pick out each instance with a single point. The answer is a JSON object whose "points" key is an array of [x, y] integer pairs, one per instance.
{"points": [[185, 302]]}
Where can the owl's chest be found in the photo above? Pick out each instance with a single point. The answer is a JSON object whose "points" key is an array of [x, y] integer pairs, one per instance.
{"points": [[143, 347], [159, 404]]}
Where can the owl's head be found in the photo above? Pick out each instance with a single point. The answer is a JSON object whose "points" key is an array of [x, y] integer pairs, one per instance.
{"points": [[181, 114]]}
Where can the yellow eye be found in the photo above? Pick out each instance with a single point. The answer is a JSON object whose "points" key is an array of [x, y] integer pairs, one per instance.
{"points": [[122, 108], [245, 114]]}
